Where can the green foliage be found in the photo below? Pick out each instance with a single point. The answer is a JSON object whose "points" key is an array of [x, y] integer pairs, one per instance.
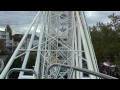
{"points": [[2, 45], [106, 39], [18, 63], [31, 60]]}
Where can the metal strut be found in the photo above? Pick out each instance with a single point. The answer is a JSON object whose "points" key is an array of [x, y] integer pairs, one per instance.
{"points": [[63, 38], [104, 76]]}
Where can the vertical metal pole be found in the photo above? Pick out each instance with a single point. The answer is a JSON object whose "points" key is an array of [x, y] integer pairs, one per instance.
{"points": [[80, 53], [85, 45], [76, 48], [89, 41], [37, 63], [73, 59], [43, 68]]}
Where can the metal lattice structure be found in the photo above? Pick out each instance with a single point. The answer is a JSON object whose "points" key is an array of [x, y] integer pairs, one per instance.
{"points": [[64, 38]]}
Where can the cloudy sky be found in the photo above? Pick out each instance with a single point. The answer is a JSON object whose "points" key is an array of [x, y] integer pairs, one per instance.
{"points": [[20, 20]]}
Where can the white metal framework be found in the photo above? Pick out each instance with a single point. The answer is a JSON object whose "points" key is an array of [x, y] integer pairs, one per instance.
{"points": [[64, 38]]}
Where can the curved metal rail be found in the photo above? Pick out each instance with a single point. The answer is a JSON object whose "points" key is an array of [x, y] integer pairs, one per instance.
{"points": [[79, 69], [1, 65], [19, 69]]}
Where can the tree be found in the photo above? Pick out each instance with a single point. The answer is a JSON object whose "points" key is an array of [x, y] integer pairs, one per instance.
{"points": [[31, 60], [2, 45], [106, 39], [115, 21], [16, 64], [8, 29]]}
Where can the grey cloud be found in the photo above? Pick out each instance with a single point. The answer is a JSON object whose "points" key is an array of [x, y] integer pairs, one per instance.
{"points": [[99, 16], [24, 18], [18, 20], [16, 17]]}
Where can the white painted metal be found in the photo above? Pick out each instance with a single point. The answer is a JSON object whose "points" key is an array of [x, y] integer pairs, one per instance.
{"points": [[37, 63], [80, 49], [17, 50], [29, 47], [76, 48], [73, 60], [85, 44], [63, 38]]}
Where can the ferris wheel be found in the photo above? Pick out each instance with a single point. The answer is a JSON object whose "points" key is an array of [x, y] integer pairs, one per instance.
{"points": [[64, 40]]}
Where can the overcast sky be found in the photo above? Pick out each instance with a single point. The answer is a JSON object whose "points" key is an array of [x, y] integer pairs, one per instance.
{"points": [[20, 20]]}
